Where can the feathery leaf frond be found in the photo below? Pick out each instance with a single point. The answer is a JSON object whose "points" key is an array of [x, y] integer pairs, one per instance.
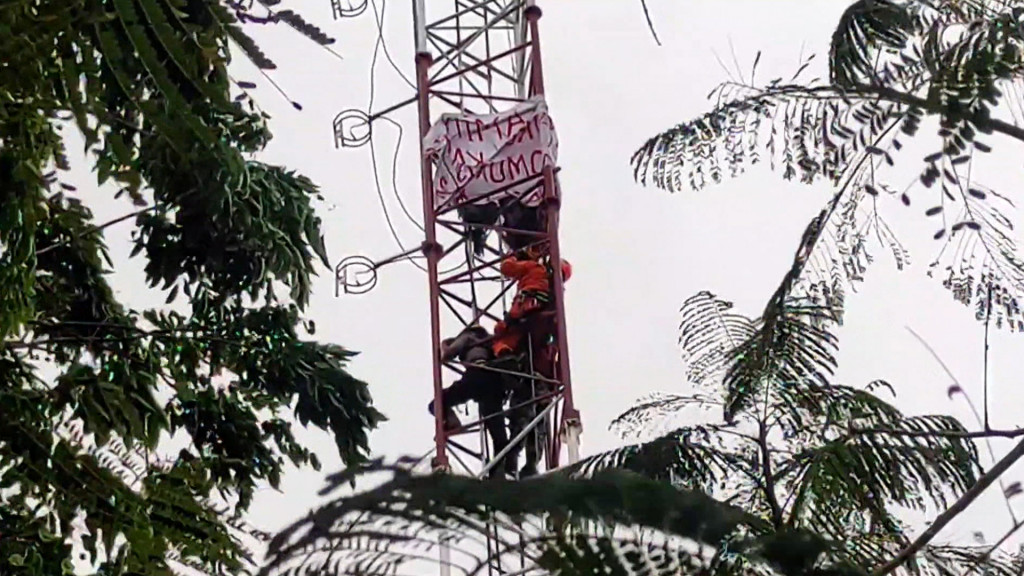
{"points": [[652, 526], [866, 27], [892, 65]]}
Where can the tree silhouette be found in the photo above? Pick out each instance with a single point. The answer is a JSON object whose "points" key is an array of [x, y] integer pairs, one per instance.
{"points": [[146, 84]]}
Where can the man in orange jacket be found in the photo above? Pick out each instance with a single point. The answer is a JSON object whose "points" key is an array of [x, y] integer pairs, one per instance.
{"points": [[533, 282]]}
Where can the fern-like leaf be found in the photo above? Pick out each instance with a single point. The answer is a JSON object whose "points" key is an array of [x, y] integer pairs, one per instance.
{"points": [[645, 525], [790, 345], [709, 333], [866, 27]]}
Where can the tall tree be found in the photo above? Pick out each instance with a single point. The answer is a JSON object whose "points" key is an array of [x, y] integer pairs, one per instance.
{"points": [[800, 450], [893, 68], [146, 84]]}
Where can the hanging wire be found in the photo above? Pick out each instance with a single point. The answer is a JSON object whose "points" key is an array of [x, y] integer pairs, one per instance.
{"points": [[379, 17], [380, 44]]}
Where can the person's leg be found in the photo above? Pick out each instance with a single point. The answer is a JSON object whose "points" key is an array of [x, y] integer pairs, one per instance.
{"points": [[511, 364], [483, 214], [531, 442], [522, 414], [515, 311], [527, 393], [460, 392], [516, 422], [491, 406], [536, 440], [486, 388]]}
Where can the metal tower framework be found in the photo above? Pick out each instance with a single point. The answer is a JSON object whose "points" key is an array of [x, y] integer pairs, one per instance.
{"points": [[476, 57]]}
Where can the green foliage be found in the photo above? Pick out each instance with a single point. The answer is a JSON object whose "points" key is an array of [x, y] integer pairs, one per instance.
{"points": [[802, 476], [796, 449], [145, 82], [892, 66], [387, 529]]}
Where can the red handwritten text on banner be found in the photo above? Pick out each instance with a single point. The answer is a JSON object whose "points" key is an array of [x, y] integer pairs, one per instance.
{"points": [[476, 154]]}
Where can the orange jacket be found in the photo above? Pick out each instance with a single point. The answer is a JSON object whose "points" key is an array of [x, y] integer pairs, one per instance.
{"points": [[506, 340], [530, 274]]}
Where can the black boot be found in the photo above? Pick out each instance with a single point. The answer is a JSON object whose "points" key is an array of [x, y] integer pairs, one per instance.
{"points": [[529, 470], [509, 466]]}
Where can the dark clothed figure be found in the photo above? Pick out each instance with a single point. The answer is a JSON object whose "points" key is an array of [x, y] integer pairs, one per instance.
{"points": [[488, 388], [483, 214], [516, 216]]}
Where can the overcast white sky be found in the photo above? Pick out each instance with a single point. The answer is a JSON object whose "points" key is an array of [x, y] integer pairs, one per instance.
{"points": [[637, 252]]}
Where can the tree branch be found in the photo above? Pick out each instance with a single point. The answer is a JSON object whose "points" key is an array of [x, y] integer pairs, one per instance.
{"points": [[953, 511], [909, 99], [867, 91], [940, 434], [650, 23], [769, 480], [93, 230]]}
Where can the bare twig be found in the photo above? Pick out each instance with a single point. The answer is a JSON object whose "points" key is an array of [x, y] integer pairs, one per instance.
{"points": [[953, 511], [981, 560], [650, 24], [988, 320], [974, 409], [94, 229]]}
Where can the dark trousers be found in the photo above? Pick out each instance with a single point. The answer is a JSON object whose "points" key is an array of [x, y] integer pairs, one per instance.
{"points": [[484, 215], [487, 388], [520, 417]]}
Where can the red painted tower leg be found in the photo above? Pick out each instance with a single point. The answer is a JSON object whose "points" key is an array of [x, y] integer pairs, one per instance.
{"points": [[431, 248], [569, 427]]}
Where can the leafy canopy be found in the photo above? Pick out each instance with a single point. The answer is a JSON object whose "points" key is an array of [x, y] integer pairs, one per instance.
{"points": [[894, 67], [92, 389], [795, 448]]}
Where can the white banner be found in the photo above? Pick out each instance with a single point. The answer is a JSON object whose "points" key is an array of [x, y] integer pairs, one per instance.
{"points": [[476, 154]]}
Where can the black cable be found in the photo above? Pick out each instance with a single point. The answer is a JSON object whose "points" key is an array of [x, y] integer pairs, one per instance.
{"points": [[380, 36], [394, 173], [373, 153], [398, 145]]}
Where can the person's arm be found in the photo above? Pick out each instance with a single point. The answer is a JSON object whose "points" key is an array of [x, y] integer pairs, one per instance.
{"points": [[454, 346], [515, 269]]}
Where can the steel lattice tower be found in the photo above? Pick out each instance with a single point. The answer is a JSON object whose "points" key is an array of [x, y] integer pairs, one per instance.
{"points": [[474, 57]]}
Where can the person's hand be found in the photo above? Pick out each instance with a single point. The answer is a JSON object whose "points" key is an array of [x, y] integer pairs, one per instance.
{"points": [[446, 348]]}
